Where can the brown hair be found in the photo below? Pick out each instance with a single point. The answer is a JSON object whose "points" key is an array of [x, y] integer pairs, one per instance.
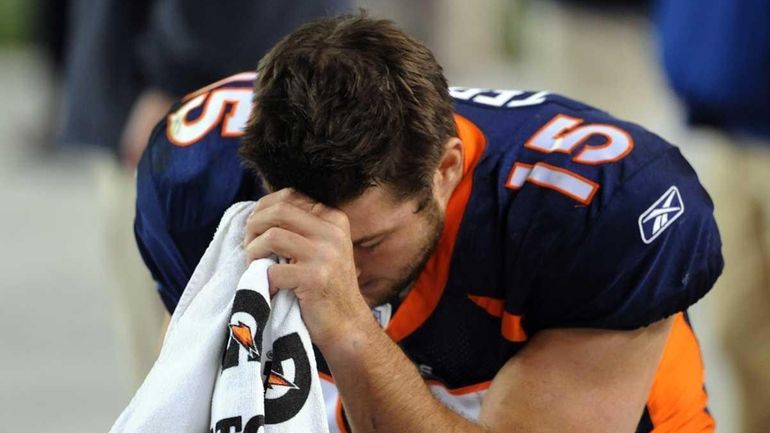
{"points": [[346, 103]]}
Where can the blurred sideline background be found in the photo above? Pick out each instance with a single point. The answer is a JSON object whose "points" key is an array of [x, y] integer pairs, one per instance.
{"points": [[67, 360]]}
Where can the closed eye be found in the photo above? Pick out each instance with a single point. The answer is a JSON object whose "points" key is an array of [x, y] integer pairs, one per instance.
{"points": [[371, 245]]}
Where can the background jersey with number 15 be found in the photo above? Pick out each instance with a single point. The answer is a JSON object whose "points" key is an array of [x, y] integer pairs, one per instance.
{"points": [[565, 217]]}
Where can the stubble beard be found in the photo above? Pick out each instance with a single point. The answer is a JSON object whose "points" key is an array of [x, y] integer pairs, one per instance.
{"points": [[403, 284]]}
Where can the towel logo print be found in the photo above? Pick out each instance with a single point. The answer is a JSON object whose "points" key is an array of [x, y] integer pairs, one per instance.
{"points": [[250, 307], [227, 425], [273, 378], [287, 376], [287, 381], [242, 334]]}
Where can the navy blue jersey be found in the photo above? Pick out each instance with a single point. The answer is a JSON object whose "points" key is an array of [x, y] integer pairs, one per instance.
{"points": [[186, 179], [565, 217]]}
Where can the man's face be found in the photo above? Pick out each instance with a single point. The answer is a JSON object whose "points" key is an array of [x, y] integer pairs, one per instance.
{"points": [[391, 241]]}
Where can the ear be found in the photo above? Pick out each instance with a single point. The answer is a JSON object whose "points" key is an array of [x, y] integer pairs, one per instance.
{"points": [[449, 171]]}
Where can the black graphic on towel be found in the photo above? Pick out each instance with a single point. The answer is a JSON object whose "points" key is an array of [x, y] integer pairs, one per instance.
{"points": [[241, 335], [288, 348], [228, 424]]}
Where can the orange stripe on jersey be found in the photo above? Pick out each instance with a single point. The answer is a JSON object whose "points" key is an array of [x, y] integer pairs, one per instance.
{"points": [[512, 329], [429, 286], [326, 377], [340, 417], [492, 306], [678, 400]]}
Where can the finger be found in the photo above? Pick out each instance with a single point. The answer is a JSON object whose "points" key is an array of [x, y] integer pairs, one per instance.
{"points": [[278, 241], [331, 215], [302, 201], [284, 215], [283, 276], [284, 195]]}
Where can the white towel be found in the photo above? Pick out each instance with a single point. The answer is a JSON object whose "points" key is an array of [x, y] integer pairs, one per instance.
{"points": [[213, 367]]}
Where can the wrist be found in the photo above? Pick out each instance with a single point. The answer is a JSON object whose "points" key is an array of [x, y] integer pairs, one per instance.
{"points": [[350, 336]]}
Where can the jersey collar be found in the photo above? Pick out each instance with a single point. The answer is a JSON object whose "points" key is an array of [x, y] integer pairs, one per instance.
{"points": [[422, 299]]}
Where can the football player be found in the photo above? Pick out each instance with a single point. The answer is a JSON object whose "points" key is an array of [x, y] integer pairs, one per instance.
{"points": [[528, 259]]}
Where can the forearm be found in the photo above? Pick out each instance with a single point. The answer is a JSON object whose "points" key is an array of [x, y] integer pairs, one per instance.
{"points": [[381, 389]]}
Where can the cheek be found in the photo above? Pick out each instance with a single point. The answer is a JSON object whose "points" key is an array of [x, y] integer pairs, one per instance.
{"points": [[388, 261], [376, 264]]}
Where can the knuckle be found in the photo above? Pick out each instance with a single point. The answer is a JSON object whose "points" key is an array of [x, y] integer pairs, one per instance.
{"points": [[342, 220], [286, 193], [274, 280], [249, 256], [338, 217], [251, 224], [271, 235], [251, 250], [315, 208], [318, 208], [271, 275], [280, 210]]}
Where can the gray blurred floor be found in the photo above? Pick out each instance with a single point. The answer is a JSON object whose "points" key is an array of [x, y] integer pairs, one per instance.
{"points": [[60, 366]]}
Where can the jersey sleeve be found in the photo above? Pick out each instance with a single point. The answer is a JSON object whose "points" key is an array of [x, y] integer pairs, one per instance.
{"points": [[653, 249], [182, 193]]}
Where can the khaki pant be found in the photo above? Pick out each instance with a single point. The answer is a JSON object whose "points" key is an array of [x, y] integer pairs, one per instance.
{"points": [[737, 175], [137, 309]]}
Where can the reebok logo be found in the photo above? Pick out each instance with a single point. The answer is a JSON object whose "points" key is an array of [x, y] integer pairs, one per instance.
{"points": [[658, 217]]}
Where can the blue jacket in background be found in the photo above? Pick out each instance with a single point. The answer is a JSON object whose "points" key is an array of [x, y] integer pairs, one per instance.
{"points": [[716, 55], [118, 48]]}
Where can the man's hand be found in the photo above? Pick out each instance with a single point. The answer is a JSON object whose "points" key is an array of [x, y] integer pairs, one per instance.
{"points": [[315, 239]]}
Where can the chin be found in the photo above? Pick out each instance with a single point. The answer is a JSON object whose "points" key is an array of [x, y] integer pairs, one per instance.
{"points": [[371, 302], [377, 292]]}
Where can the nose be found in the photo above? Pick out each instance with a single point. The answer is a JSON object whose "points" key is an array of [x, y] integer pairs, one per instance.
{"points": [[358, 272]]}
